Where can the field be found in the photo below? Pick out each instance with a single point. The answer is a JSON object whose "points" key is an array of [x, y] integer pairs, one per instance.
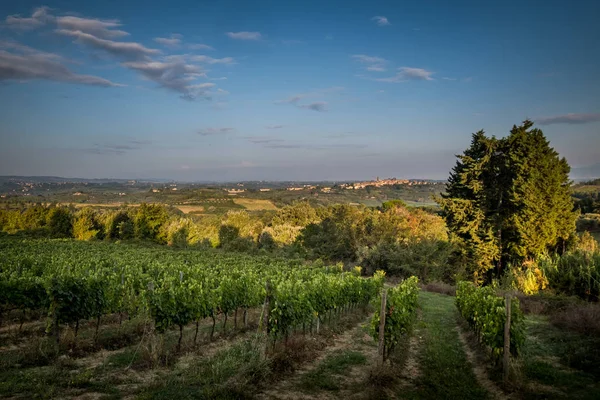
{"points": [[255, 204], [129, 357]]}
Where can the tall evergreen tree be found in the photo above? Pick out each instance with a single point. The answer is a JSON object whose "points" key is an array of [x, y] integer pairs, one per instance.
{"points": [[508, 200]]}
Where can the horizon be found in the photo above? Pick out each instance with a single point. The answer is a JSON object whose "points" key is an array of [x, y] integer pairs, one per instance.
{"points": [[296, 91]]}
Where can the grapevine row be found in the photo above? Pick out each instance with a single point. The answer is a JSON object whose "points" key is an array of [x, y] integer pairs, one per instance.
{"points": [[82, 281], [485, 312], [400, 313]]}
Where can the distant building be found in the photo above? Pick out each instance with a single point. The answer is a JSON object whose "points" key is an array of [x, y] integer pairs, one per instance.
{"points": [[265, 190], [235, 191]]}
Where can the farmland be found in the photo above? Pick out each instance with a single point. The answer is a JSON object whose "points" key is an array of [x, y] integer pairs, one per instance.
{"points": [[151, 347]]}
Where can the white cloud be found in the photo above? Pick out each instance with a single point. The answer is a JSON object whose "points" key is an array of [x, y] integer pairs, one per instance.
{"points": [[244, 35], [274, 126], [173, 41], [211, 60], [215, 131], [174, 75], [96, 27], [129, 50], [200, 46], [26, 63], [374, 64], [571, 119], [39, 17], [381, 20], [409, 74]]}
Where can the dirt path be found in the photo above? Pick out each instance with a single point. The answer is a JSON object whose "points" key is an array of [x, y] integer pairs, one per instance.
{"points": [[479, 367], [338, 372]]}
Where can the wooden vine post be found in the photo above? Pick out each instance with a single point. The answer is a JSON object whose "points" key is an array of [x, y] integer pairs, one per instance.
{"points": [[381, 347], [506, 360], [264, 323]]}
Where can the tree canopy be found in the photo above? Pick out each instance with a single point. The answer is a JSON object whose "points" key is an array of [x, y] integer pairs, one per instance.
{"points": [[508, 200]]}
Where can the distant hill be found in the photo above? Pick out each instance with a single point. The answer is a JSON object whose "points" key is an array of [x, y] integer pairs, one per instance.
{"points": [[58, 179], [586, 173]]}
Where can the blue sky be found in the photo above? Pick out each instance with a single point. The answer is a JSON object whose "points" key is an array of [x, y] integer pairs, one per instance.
{"points": [[286, 90]]}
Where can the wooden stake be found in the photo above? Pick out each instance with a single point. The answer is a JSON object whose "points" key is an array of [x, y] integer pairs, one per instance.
{"points": [[381, 347], [506, 360]]}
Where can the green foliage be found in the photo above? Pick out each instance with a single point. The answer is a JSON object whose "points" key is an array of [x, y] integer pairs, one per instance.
{"points": [[148, 220], [401, 311], [298, 214], [118, 225], [574, 273], [485, 312], [301, 297], [87, 225], [426, 259], [508, 200], [387, 205], [59, 222]]}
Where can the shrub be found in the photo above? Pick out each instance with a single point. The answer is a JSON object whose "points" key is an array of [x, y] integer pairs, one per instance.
{"points": [[574, 273]]}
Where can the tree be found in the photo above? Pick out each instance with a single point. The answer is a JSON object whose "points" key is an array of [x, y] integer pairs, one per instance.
{"points": [[59, 222], [508, 200], [86, 225], [148, 220]]}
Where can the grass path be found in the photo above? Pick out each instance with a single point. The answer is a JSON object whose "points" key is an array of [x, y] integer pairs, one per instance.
{"points": [[444, 371], [338, 372]]}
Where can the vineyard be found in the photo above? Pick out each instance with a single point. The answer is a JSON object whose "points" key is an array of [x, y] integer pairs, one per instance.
{"points": [[72, 282], [126, 320]]}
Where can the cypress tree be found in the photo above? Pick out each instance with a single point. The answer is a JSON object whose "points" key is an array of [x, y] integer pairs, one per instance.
{"points": [[508, 200]]}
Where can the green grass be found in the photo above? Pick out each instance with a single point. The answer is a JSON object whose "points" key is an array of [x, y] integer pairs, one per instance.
{"points": [[445, 372], [564, 362], [327, 374], [51, 382], [232, 373]]}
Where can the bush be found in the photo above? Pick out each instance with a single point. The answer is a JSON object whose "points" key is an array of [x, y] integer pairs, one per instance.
{"points": [[574, 273]]}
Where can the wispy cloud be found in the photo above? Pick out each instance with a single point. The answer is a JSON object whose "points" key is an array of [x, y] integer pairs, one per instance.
{"points": [[104, 29], [25, 63], [174, 75], [572, 119], [244, 35], [274, 126], [128, 50], [173, 42], [374, 64], [215, 131], [211, 60], [116, 149], [319, 106], [409, 74], [39, 17], [178, 73], [263, 139], [381, 20], [309, 146], [314, 106], [200, 46]]}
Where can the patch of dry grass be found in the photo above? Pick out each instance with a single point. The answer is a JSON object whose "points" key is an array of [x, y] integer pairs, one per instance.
{"points": [[255, 204]]}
